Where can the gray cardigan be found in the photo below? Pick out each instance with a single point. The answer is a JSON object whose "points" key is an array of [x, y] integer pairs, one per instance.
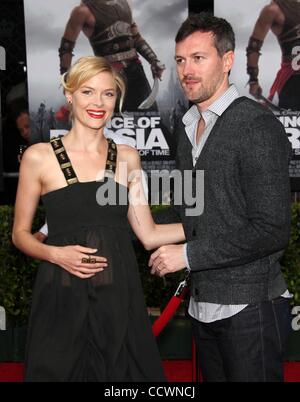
{"points": [[235, 245]]}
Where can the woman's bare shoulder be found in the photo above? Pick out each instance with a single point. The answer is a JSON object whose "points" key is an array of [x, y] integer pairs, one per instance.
{"points": [[37, 153], [127, 153]]}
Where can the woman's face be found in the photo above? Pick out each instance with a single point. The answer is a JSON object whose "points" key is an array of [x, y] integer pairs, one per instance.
{"points": [[94, 101]]}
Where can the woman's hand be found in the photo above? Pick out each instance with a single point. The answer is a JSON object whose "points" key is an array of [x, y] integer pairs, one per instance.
{"points": [[70, 258]]}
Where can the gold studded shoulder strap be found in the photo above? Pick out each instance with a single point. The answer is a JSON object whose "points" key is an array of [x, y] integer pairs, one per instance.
{"points": [[111, 161], [63, 160]]}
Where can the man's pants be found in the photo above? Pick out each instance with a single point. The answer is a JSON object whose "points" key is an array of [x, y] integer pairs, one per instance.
{"points": [[248, 346]]}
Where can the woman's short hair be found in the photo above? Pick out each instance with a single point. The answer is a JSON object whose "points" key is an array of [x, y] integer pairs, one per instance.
{"points": [[87, 67]]}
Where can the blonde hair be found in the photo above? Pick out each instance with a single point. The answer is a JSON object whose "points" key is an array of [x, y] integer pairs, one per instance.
{"points": [[87, 67]]}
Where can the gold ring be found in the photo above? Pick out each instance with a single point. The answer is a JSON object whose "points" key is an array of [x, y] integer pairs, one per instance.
{"points": [[88, 260]]}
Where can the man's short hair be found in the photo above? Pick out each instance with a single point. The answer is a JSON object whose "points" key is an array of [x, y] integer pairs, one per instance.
{"points": [[224, 38]]}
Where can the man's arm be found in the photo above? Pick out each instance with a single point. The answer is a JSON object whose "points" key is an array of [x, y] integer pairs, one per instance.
{"points": [[264, 177], [265, 153], [263, 25], [73, 28]]}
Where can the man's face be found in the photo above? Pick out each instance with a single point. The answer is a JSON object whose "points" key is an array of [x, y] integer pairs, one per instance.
{"points": [[201, 71], [23, 125]]}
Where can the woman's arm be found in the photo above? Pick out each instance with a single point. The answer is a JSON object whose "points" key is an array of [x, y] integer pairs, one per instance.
{"points": [[42, 233], [139, 214], [28, 195]]}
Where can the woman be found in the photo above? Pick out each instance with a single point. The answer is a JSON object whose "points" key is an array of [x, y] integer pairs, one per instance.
{"points": [[88, 319]]}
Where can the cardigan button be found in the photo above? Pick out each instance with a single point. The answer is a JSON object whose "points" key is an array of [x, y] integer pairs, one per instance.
{"points": [[194, 233]]}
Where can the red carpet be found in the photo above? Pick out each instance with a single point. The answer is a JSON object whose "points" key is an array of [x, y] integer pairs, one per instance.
{"points": [[176, 371], [11, 372], [182, 370]]}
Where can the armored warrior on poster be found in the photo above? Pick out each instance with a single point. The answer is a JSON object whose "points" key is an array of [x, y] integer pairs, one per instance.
{"points": [[282, 17], [112, 33]]}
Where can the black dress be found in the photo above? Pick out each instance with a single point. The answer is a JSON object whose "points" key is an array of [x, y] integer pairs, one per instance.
{"points": [[94, 329]]}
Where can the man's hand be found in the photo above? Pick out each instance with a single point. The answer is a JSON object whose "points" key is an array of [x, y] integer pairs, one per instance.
{"points": [[40, 236], [167, 259]]}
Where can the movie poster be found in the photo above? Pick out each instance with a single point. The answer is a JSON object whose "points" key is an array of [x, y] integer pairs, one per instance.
{"points": [[276, 24], [149, 117]]}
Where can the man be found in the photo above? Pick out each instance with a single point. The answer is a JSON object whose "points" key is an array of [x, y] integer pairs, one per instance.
{"points": [[282, 17], [240, 321], [112, 33], [17, 138], [23, 125]]}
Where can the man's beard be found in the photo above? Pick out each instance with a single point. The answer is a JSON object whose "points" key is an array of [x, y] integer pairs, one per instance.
{"points": [[202, 97], [203, 93]]}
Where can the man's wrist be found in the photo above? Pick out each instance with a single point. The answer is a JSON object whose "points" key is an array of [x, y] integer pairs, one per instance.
{"points": [[186, 257]]}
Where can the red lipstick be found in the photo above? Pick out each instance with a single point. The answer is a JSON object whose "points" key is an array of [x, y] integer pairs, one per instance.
{"points": [[96, 114]]}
